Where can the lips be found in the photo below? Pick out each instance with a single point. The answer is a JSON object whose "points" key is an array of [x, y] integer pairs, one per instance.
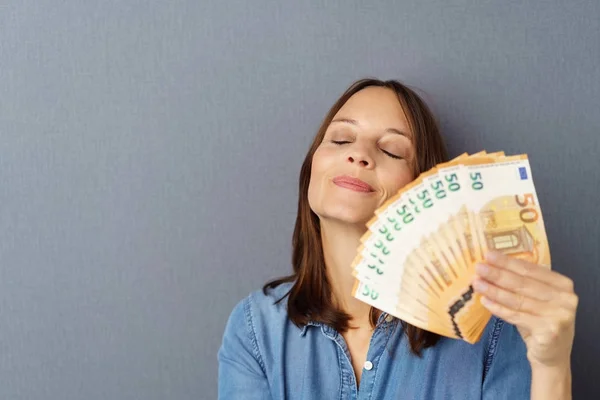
{"points": [[351, 183]]}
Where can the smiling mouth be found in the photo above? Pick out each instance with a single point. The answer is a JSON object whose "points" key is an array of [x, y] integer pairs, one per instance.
{"points": [[353, 184]]}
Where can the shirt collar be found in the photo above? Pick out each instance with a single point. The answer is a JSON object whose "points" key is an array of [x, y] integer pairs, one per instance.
{"points": [[309, 323], [329, 331]]}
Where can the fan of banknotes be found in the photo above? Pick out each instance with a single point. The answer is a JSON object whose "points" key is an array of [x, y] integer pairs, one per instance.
{"points": [[417, 259]]}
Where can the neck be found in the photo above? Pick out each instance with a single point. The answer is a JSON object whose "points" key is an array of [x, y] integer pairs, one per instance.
{"points": [[340, 243]]}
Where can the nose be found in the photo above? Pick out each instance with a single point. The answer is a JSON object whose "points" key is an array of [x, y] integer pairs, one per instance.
{"points": [[361, 157]]}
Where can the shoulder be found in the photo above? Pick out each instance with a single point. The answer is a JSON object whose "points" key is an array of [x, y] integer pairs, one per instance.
{"points": [[246, 354], [272, 301], [256, 325], [260, 310], [260, 304]]}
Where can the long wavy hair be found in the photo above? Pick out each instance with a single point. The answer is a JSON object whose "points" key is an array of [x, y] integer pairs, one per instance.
{"points": [[309, 298]]}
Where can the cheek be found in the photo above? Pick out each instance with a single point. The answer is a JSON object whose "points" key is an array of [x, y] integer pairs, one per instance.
{"points": [[322, 160], [316, 175], [397, 180]]}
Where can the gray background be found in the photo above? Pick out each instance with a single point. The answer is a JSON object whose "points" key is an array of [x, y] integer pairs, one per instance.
{"points": [[150, 150]]}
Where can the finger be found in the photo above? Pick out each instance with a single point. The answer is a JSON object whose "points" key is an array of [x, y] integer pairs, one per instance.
{"points": [[514, 301], [535, 271], [516, 283], [549, 333], [546, 328], [518, 318]]}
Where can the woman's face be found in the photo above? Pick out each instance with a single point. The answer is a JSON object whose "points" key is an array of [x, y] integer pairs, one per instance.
{"points": [[365, 158]]}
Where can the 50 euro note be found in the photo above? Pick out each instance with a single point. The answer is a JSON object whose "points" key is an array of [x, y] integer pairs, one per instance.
{"points": [[501, 213], [505, 211], [459, 218]]}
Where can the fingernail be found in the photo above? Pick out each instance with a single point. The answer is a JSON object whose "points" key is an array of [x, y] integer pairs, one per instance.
{"points": [[485, 301], [480, 285], [481, 269]]}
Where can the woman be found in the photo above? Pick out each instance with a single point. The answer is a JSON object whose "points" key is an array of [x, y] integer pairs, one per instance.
{"points": [[306, 337]]}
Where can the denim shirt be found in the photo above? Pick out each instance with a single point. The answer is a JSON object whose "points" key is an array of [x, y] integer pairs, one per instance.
{"points": [[263, 355]]}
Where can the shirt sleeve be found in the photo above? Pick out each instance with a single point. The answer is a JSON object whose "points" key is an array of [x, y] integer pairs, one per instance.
{"points": [[507, 370], [241, 369]]}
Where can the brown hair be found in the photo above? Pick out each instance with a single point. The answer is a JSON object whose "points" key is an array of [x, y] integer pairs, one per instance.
{"points": [[309, 299]]}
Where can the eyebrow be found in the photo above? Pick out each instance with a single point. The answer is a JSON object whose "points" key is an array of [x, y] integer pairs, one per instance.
{"points": [[355, 122]]}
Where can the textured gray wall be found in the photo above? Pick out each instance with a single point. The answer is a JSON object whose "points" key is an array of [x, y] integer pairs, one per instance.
{"points": [[149, 155]]}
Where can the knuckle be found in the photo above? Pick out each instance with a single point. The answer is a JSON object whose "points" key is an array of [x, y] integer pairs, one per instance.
{"points": [[554, 330], [570, 300], [575, 301], [559, 325], [569, 285], [567, 320]]}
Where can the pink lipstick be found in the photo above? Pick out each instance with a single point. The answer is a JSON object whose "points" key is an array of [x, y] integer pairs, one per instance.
{"points": [[351, 183]]}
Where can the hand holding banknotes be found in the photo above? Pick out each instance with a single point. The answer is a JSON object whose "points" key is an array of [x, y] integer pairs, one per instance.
{"points": [[540, 302]]}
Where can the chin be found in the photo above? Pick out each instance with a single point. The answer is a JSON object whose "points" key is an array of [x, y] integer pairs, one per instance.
{"points": [[342, 209], [346, 216]]}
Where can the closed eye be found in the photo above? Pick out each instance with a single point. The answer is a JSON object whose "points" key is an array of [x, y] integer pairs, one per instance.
{"points": [[340, 142], [392, 155]]}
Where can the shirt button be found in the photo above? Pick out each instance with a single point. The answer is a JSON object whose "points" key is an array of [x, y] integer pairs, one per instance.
{"points": [[389, 318], [368, 365]]}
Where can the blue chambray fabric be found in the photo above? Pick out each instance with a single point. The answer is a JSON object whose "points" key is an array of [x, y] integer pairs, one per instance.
{"points": [[263, 355]]}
